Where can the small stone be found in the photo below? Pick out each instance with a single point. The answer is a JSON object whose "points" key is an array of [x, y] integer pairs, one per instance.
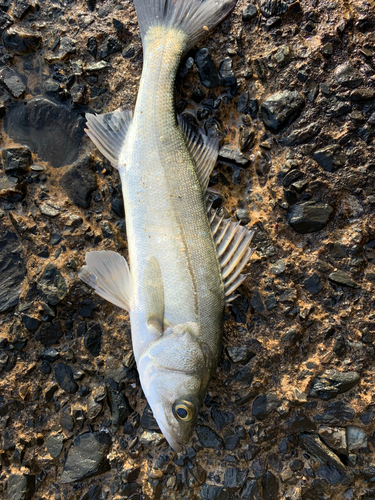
{"points": [[332, 382], [207, 69], [309, 216], [327, 49], [226, 72], [342, 279], [265, 404], [336, 413], [49, 354], [270, 486], [93, 340], [330, 158], [356, 438], [278, 267], [65, 379], [151, 438], [30, 322], [110, 46], [362, 94], [20, 487], [313, 284], [281, 109], [246, 137], [209, 438], [209, 492], [16, 160], [240, 354], [271, 301], [314, 446], [302, 135], [120, 408], [54, 444], [12, 82], [270, 8], [79, 181], [12, 267], [234, 478], [347, 76], [5, 21], [250, 491], [335, 438], [256, 302], [52, 286], [97, 66], [243, 216], [87, 457], [221, 418], [49, 333], [21, 41], [148, 420], [284, 55], [249, 12], [67, 47], [337, 251], [233, 155], [20, 8]]}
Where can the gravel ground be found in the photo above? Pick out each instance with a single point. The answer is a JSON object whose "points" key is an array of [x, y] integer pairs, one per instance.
{"points": [[290, 87]]}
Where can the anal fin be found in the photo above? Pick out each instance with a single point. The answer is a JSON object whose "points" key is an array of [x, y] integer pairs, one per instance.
{"points": [[108, 132], [108, 274], [232, 244]]}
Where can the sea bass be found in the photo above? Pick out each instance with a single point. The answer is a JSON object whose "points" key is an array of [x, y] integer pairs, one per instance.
{"points": [[184, 264]]}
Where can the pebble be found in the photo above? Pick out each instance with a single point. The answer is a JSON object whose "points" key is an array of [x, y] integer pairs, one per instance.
{"points": [[208, 438], [65, 378], [21, 487], [234, 478], [336, 413], [16, 160], [209, 492], [41, 124], [302, 135], [332, 382], [309, 216], [12, 268], [207, 69], [270, 8], [335, 438], [52, 286], [87, 457], [270, 486], [249, 12], [21, 40], [314, 446], [12, 82], [246, 137], [30, 322], [313, 284], [250, 491], [330, 158], [283, 55], [54, 444], [5, 21], [347, 76], [281, 109], [342, 279], [233, 155], [265, 404], [148, 420], [79, 181], [93, 339], [221, 418], [120, 408], [240, 354], [356, 438], [226, 73]]}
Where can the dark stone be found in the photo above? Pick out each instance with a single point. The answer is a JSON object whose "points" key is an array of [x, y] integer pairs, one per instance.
{"points": [[362, 94], [93, 493], [110, 46], [330, 473], [20, 40], [233, 155], [243, 102], [242, 355], [20, 8], [92, 46], [245, 376], [336, 413], [253, 108], [49, 333], [246, 137], [118, 206], [207, 69], [221, 418], [87, 457], [226, 72], [366, 133], [120, 407], [5, 21], [66, 420], [51, 130], [79, 181], [93, 340], [52, 286], [291, 177], [339, 347], [309, 216], [12, 268], [337, 251], [271, 301], [49, 354], [332, 382], [129, 488], [271, 8], [249, 12], [342, 279], [347, 76], [12, 82], [270, 486], [234, 478], [335, 105], [208, 438], [313, 284], [148, 421], [302, 136], [45, 368], [54, 444], [281, 109], [256, 302], [330, 158], [209, 492], [12, 189], [65, 378], [315, 446], [16, 160], [250, 491], [265, 404], [20, 487]]}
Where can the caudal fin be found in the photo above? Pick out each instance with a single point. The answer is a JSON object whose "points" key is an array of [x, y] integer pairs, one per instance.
{"points": [[193, 17]]}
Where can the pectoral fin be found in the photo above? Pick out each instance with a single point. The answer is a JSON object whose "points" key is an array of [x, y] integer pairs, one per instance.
{"points": [[154, 300], [108, 274]]}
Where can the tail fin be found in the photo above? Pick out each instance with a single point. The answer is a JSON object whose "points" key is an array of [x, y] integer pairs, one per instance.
{"points": [[192, 17]]}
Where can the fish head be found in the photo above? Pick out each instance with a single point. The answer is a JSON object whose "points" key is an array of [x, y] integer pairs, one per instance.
{"points": [[174, 372]]}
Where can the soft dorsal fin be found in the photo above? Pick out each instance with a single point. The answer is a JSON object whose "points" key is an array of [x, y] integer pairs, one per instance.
{"points": [[108, 131], [232, 244], [154, 300], [108, 274], [203, 150]]}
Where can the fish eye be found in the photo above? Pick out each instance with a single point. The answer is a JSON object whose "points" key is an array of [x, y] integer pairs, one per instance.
{"points": [[183, 410]]}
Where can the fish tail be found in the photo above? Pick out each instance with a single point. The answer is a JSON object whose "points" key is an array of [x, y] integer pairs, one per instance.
{"points": [[193, 17]]}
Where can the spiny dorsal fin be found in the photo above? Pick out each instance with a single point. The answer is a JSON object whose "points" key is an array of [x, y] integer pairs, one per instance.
{"points": [[232, 244], [108, 131], [108, 274], [203, 150], [154, 300]]}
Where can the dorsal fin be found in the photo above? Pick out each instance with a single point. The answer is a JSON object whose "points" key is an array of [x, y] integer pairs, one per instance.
{"points": [[203, 150], [232, 244], [108, 274], [108, 131]]}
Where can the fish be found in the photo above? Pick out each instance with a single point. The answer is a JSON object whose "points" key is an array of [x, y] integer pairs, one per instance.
{"points": [[185, 260]]}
